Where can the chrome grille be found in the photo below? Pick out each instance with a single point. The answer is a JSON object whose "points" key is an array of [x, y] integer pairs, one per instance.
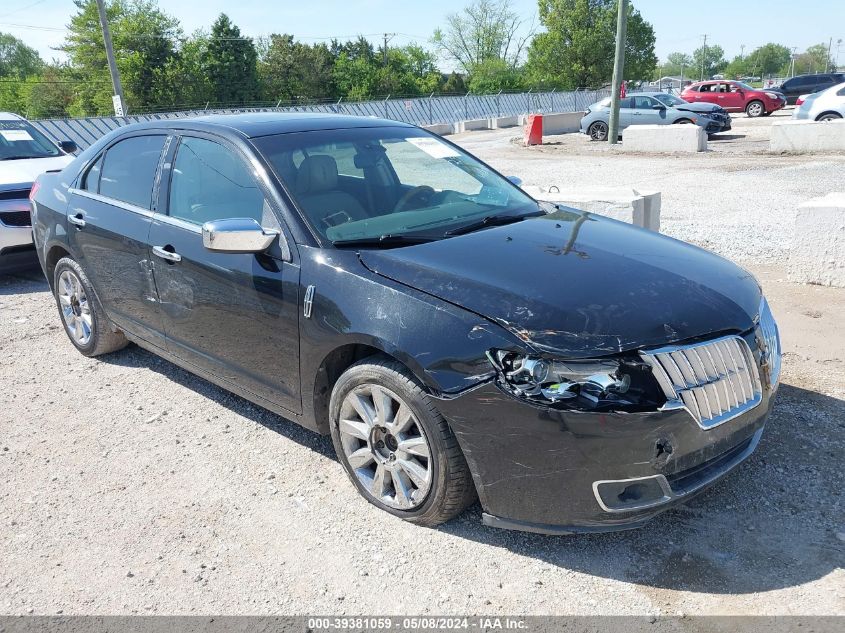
{"points": [[715, 380], [768, 331]]}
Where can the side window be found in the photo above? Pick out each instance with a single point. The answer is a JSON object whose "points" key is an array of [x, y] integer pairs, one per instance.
{"points": [[627, 102], [211, 182], [704, 88], [91, 179], [643, 103], [129, 169]]}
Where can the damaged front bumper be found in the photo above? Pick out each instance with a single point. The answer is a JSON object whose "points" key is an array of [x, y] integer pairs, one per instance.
{"points": [[549, 470]]}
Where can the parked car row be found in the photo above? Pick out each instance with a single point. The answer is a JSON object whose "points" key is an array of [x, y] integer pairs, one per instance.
{"points": [[24, 154], [375, 282]]}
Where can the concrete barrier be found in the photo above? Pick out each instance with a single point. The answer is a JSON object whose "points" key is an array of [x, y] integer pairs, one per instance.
{"points": [[817, 254], [473, 124], [641, 208], [807, 136], [563, 123], [664, 138], [441, 129], [503, 121]]}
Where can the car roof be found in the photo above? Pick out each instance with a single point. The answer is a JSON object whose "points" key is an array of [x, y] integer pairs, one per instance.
{"points": [[647, 93], [254, 124], [10, 116]]}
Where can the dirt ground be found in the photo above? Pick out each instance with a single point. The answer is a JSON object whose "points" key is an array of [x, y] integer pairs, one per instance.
{"points": [[131, 486]]}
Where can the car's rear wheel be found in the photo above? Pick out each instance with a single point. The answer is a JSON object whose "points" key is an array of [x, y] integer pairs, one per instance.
{"points": [[683, 122], [598, 131], [395, 446], [829, 116], [755, 109], [85, 321]]}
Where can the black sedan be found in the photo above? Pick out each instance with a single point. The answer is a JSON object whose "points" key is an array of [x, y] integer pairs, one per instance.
{"points": [[456, 338]]}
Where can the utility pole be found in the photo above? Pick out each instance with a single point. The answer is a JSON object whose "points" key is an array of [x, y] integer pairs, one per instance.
{"points": [[742, 52], [827, 64], [703, 57], [618, 71], [117, 99], [387, 38], [792, 69]]}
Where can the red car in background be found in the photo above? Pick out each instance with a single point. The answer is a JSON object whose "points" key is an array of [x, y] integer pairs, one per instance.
{"points": [[735, 96]]}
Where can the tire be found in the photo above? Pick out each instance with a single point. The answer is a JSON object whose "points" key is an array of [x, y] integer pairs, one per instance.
{"points": [[755, 109], [85, 322], [829, 116], [422, 490], [598, 131], [682, 122]]}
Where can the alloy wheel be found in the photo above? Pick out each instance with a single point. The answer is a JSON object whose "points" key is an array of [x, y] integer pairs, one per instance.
{"points": [[598, 131], [385, 447], [755, 110], [76, 310]]}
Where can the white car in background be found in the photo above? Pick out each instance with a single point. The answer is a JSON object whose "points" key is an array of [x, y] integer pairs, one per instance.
{"points": [[25, 153], [825, 105]]}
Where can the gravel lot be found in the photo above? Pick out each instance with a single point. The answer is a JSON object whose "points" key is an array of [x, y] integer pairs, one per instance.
{"points": [[131, 486]]}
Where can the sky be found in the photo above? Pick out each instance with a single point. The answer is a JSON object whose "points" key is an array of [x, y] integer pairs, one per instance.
{"points": [[678, 25]]}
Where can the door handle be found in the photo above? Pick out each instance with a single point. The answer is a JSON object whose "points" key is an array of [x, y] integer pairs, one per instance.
{"points": [[170, 256], [76, 220]]}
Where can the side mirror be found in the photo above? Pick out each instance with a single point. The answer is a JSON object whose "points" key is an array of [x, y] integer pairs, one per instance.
{"points": [[68, 147], [515, 180], [658, 107], [237, 235]]}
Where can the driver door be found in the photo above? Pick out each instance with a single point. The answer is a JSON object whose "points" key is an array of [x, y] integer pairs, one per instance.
{"points": [[234, 315]]}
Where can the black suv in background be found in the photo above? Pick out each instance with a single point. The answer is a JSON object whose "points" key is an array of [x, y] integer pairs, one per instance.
{"points": [[805, 84]]}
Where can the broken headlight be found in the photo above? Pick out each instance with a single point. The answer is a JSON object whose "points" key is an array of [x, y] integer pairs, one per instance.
{"points": [[624, 384]]}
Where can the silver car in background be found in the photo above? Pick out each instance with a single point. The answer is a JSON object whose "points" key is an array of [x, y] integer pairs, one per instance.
{"points": [[826, 105], [653, 108]]}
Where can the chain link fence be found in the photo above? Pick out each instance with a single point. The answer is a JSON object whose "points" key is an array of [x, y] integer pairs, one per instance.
{"points": [[416, 111]]}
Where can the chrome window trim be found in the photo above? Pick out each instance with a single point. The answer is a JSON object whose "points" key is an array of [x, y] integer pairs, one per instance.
{"points": [[707, 391], [126, 206]]}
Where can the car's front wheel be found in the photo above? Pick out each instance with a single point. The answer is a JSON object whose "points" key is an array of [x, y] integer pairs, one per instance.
{"points": [[755, 109], [85, 321], [598, 131], [395, 446]]}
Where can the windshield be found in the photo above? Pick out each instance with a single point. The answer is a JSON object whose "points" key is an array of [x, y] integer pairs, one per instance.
{"points": [[669, 100], [391, 184], [18, 140], [744, 86]]}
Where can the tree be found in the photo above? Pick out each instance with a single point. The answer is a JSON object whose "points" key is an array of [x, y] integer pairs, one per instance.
{"points": [[768, 59], [485, 30], [455, 84], [291, 70], [709, 60], [144, 40], [677, 64], [17, 60], [577, 49], [230, 63], [182, 82], [814, 60]]}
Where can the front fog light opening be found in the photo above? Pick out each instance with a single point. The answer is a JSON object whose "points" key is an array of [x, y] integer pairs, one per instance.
{"points": [[603, 384]]}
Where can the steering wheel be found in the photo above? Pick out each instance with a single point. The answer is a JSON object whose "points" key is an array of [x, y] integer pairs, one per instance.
{"points": [[413, 193]]}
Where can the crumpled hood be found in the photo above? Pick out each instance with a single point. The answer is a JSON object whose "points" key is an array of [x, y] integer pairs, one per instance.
{"points": [[26, 170], [579, 284], [697, 107]]}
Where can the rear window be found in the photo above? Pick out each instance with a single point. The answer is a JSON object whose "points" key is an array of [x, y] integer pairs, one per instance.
{"points": [[129, 170]]}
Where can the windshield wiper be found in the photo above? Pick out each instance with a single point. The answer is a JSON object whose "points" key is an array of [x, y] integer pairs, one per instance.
{"points": [[386, 240], [491, 220]]}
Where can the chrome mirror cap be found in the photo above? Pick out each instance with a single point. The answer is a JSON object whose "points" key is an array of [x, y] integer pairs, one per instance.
{"points": [[237, 235]]}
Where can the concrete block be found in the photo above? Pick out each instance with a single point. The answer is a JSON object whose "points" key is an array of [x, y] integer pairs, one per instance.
{"points": [[562, 123], [817, 254], [641, 208], [441, 129], [808, 136], [472, 124], [503, 121], [664, 138]]}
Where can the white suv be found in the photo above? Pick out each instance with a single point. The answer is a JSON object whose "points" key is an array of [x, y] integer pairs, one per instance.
{"points": [[25, 153]]}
